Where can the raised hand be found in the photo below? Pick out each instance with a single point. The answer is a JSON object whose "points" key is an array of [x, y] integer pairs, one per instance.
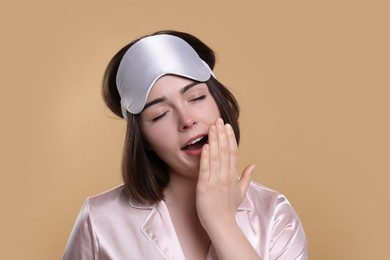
{"points": [[219, 189]]}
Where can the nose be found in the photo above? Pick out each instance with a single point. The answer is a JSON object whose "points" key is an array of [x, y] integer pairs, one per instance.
{"points": [[186, 120]]}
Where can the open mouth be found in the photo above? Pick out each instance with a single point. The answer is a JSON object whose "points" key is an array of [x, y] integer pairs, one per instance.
{"points": [[196, 144]]}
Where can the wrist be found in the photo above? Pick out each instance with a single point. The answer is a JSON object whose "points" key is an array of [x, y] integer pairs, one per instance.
{"points": [[221, 227]]}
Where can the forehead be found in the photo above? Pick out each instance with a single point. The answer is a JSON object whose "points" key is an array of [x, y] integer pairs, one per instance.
{"points": [[168, 84]]}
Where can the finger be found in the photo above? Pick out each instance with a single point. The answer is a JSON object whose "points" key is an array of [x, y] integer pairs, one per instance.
{"points": [[204, 170], [223, 148], [246, 178], [213, 151], [233, 151]]}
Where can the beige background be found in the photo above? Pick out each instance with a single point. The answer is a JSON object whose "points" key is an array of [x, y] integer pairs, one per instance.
{"points": [[312, 78]]}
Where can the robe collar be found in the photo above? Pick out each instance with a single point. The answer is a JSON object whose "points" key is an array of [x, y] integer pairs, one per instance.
{"points": [[159, 230], [246, 204]]}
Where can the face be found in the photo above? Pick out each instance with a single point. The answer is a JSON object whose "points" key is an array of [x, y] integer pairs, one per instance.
{"points": [[176, 120]]}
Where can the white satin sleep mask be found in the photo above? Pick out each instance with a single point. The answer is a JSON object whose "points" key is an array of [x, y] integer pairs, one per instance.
{"points": [[151, 58]]}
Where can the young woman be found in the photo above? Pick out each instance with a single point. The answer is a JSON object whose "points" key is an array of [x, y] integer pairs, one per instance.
{"points": [[182, 197]]}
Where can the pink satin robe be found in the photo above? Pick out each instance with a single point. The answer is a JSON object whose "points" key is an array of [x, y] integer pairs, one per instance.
{"points": [[112, 226]]}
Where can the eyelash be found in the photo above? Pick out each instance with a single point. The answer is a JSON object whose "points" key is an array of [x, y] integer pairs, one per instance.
{"points": [[157, 118], [198, 98]]}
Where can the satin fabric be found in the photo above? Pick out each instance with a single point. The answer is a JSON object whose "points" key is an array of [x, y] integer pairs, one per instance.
{"points": [[112, 226], [149, 59]]}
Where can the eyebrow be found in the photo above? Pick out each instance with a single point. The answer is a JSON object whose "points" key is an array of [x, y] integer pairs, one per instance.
{"points": [[189, 86], [162, 99], [154, 102]]}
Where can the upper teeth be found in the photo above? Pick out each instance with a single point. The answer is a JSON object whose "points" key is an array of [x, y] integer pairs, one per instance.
{"points": [[196, 140]]}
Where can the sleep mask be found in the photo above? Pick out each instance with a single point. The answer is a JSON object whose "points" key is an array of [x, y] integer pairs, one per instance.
{"points": [[151, 58]]}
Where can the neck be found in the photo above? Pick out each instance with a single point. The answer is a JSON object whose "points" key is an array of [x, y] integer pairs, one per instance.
{"points": [[180, 198], [181, 192]]}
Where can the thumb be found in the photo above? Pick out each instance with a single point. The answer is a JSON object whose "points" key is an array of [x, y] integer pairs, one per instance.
{"points": [[246, 178]]}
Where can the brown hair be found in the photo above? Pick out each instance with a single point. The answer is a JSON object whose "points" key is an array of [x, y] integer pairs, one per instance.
{"points": [[144, 174]]}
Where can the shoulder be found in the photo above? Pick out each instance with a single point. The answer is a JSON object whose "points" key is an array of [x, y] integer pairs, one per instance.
{"points": [[115, 201], [115, 205], [109, 199], [281, 222], [108, 205], [268, 201], [263, 195], [259, 189]]}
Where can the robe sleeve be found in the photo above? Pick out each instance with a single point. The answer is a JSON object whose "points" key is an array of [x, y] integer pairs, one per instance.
{"points": [[288, 237], [82, 243]]}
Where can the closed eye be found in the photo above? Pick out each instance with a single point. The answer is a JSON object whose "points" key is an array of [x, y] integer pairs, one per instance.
{"points": [[155, 119], [198, 98]]}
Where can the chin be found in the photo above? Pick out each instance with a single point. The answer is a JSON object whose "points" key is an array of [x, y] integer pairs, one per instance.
{"points": [[191, 172]]}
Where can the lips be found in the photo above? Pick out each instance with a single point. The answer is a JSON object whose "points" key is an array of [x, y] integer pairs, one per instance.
{"points": [[195, 143]]}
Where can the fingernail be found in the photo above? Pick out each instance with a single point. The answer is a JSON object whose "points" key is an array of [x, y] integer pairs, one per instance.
{"points": [[220, 121]]}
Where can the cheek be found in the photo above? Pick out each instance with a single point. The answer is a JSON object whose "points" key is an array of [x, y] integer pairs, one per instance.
{"points": [[215, 110], [159, 138], [211, 110]]}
